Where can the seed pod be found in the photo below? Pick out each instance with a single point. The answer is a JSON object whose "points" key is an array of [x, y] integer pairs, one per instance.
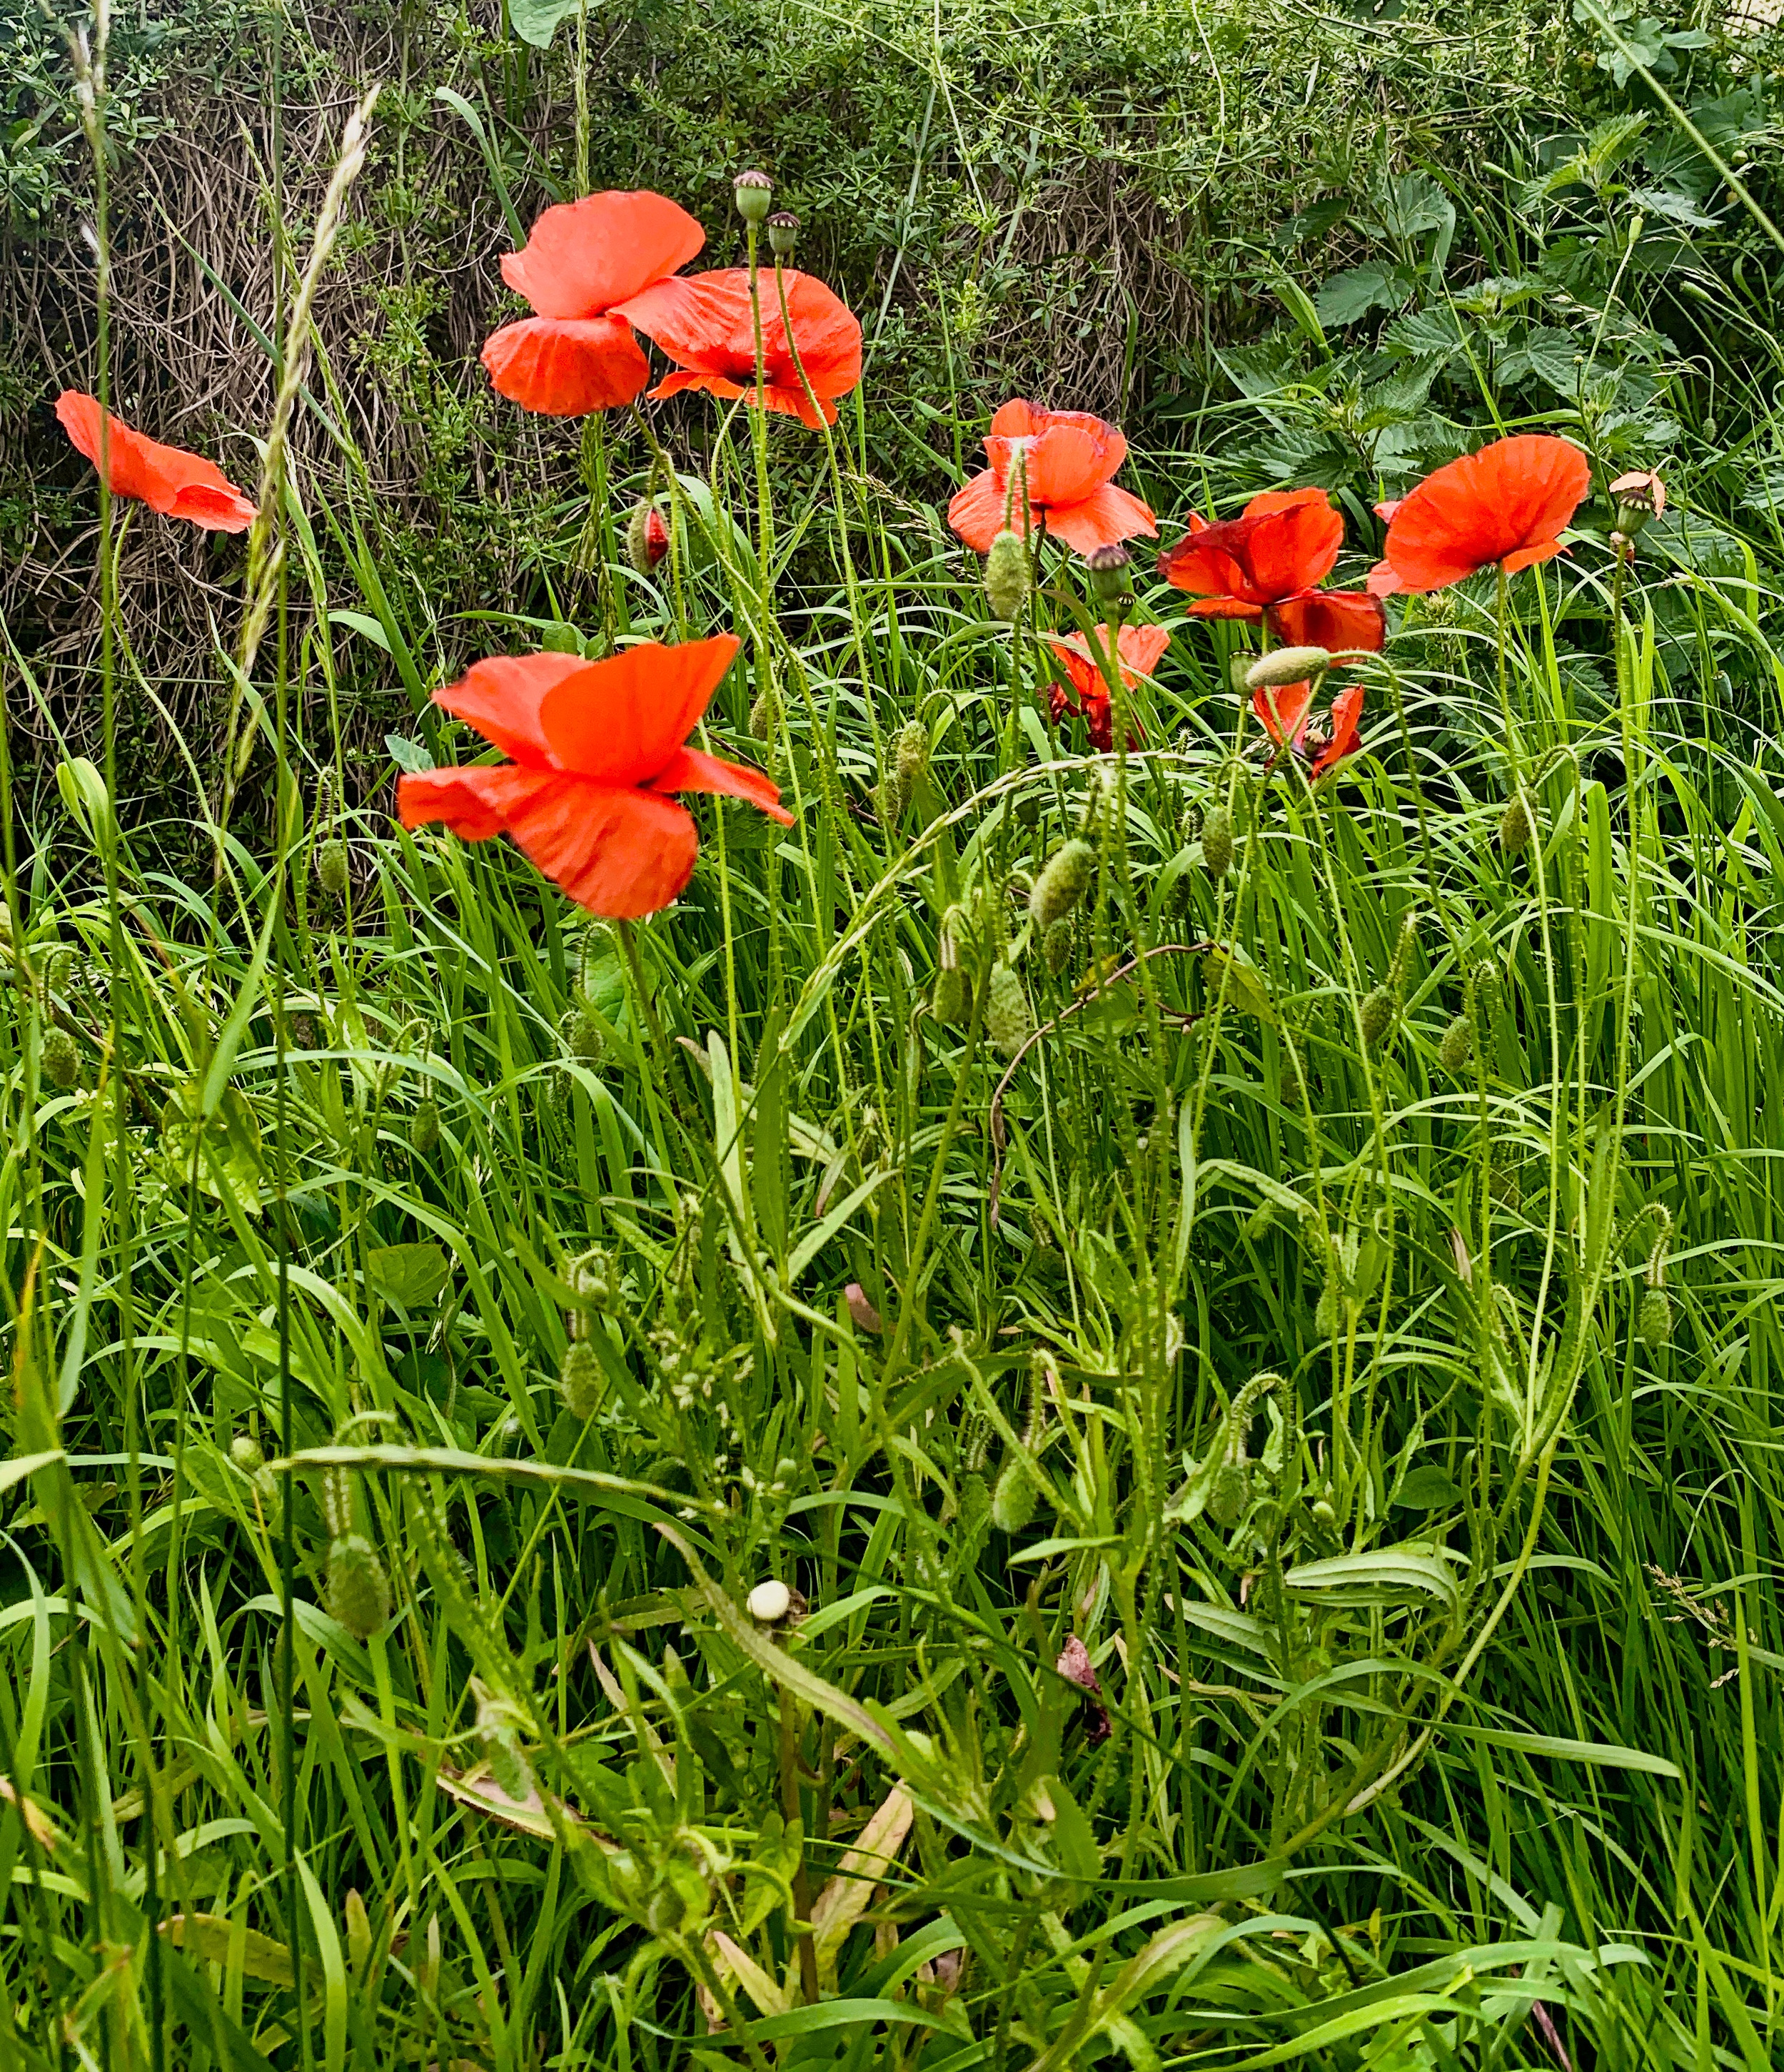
{"points": [[754, 196], [1654, 1321], [1217, 842], [580, 1380], [1014, 1499], [782, 233], [1287, 665], [331, 867], [1232, 1491], [424, 1127], [1110, 570], [1514, 829], [59, 1059], [359, 1594], [1458, 1046], [1008, 1021], [1008, 576], [1377, 1015], [1062, 884], [1056, 946], [246, 1454], [647, 537]]}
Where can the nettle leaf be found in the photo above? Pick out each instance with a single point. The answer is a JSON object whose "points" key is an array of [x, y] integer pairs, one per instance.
{"points": [[1676, 208], [1557, 357], [1352, 295]]}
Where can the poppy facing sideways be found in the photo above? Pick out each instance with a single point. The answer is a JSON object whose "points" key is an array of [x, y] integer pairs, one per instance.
{"points": [[1265, 564], [167, 478], [1060, 463], [1503, 507], [596, 746], [1282, 708], [704, 323], [575, 355], [1140, 648]]}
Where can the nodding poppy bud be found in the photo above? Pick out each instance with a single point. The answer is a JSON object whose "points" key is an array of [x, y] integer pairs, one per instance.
{"points": [[580, 1380], [1007, 577], [647, 537], [1008, 1021], [1287, 665], [764, 713], [1329, 1314], [1217, 842], [1458, 1046], [1655, 1319], [581, 1032], [782, 233], [1377, 1015], [59, 1059], [754, 196], [1111, 573], [1056, 946], [424, 1126], [1637, 497], [1014, 1497], [912, 758], [951, 998], [358, 1595], [331, 867], [1514, 827], [1062, 884], [245, 1453], [1232, 1491]]}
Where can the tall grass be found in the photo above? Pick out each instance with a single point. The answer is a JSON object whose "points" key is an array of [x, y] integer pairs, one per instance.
{"points": [[1260, 1319]]}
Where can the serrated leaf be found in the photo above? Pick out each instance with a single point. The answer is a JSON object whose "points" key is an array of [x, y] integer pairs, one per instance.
{"points": [[1352, 295], [410, 1275]]}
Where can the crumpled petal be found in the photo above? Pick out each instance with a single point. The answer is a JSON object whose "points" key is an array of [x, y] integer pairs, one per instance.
{"points": [[585, 256], [566, 367], [1346, 622], [619, 721], [705, 322], [1281, 709], [1346, 713], [500, 697], [976, 512], [1283, 541]]}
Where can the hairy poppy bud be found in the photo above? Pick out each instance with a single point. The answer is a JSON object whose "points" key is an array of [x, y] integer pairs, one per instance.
{"points": [[580, 1380], [754, 195], [59, 1059], [1111, 573], [1655, 1319], [912, 758], [1007, 1018], [1329, 1314], [1514, 827], [1377, 1015], [245, 1453], [359, 1594], [1217, 842], [1056, 946], [1458, 1046], [782, 233], [1062, 884], [1635, 498], [1232, 1491], [424, 1127], [1287, 665], [1014, 1497], [1323, 1513], [952, 999], [1007, 577], [580, 1030], [647, 537], [331, 867]]}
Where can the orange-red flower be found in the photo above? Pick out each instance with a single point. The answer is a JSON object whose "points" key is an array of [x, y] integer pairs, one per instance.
{"points": [[1264, 564], [596, 746], [1505, 506], [1060, 461], [1283, 710], [575, 355], [167, 478], [704, 323], [1139, 649]]}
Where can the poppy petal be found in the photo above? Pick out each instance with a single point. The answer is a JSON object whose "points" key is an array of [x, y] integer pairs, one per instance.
{"points": [[1106, 516], [474, 804], [1383, 582], [218, 510], [585, 256], [1226, 607], [566, 367], [619, 853], [1512, 498], [619, 722], [1347, 711], [1281, 709], [705, 322], [976, 512], [500, 697], [1292, 546], [1202, 565], [1347, 621], [1018, 420], [169, 479], [689, 770], [1528, 557]]}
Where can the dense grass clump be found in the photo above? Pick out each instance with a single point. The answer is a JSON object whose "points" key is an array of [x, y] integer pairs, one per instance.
{"points": [[1112, 1401]]}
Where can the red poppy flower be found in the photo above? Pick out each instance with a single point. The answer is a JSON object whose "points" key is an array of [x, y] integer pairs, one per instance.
{"points": [[703, 323], [1139, 648], [1283, 710], [167, 478], [1504, 506], [596, 746], [1061, 461], [575, 355]]}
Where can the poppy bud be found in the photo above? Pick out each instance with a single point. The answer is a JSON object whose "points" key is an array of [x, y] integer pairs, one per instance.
{"points": [[580, 1380], [1636, 498], [245, 1453], [1217, 842], [358, 1595], [424, 1127], [1062, 884], [590, 1276], [1654, 1321], [59, 1059], [647, 537], [1458, 1046], [331, 867], [1329, 1314], [1232, 1491], [1323, 1513], [1377, 1015], [1007, 577], [1008, 1021], [1287, 665], [1514, 827], [1014, 1497], [580, 1030], [1111, 573], [754, 193], [913, 755], [782, 233], [951, 999], [764, 713], [1056, 946]]}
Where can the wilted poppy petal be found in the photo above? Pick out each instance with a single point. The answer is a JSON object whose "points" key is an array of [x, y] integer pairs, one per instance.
{"points": [[474, 804], [585, 256], [566, 367], [1106, 516], [1347, 621], [1281, 709], [169, 479], [690, 770], [621, 854], [619, 721], [1347, 711], [500, 697], [1512, 498], [976, 512], [1226, 607]]}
